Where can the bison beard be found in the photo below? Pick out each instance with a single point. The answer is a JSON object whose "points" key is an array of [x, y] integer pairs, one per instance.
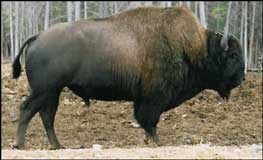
{"points": [[156, 57]]}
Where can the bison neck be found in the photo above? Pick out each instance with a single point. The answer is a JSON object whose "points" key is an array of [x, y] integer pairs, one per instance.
{"points": [[192, 86]]}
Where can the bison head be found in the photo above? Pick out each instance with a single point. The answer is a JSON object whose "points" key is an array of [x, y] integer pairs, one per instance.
{"points": [[224, 65]]}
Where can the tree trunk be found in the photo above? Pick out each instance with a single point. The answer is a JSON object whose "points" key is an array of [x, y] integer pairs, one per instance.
{"points": [[85, 10], [30, 22], [235, 18], [242, 25], [46, 16], [148, 3], [217, 24], [135, 4], [251, 35], [196, 9], [169, 4], [188, 4], [36, 24], [162, 4], [101, 9], [16, 28], [202, 13], [180, 3], [69, 11], [77, 10], [11, 32], [256, 56], [22, 24], [116, 7], [245, 37], [2, 38], [227, 23]]}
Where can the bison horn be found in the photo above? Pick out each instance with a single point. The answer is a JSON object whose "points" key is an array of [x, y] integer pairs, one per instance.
{"points": [[224, 42]]}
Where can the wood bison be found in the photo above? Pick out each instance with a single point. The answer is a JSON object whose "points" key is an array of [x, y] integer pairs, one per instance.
{"points": [[156, 57]]}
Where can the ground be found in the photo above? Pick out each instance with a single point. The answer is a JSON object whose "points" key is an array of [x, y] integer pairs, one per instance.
{"points": [[204, 119], [166, 152]]}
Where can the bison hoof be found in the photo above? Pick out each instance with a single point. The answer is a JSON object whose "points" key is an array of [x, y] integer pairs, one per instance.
{"points": [[56, 147], [153, 139], [16, 146], [87, 104], [146, 140], [156, 140]]}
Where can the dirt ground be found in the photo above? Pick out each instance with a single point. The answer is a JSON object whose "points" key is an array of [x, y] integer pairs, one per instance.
{"points": [[204, 119]]}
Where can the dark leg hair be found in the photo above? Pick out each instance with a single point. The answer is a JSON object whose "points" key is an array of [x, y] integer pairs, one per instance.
{"points": [[47, 114], [148, 115], [27, 110]]}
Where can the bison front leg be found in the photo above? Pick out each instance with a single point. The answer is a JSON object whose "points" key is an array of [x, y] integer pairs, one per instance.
{"points": [[151, 134], [147, 115]]}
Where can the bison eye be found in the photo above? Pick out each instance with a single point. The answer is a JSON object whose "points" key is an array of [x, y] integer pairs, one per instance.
{"points": [[233, 55]]}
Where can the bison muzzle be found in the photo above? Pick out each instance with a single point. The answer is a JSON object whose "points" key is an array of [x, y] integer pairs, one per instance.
{"points": [[156, 57]]}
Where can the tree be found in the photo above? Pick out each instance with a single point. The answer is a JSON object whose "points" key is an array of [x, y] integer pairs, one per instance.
{"points": [[69, 11], [251, 39], [46, 16], [245, 36], [21, 26], [196, 9], [2, 38], [168, 4], [101, 9], [134, 4], [77, 10], [188, 4], [148, 3], [180, 3], [115, 5], [16, 28], [165, 3], [11, 32], [226, 26], [202, 14], [242, 25], [85, 10]]}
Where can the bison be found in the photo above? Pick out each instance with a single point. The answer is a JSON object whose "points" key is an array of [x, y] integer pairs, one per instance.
{"points": [[156, 57]]}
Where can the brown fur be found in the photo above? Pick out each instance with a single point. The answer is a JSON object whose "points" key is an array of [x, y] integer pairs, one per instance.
{"points": [[178, 24], [152, 26]]}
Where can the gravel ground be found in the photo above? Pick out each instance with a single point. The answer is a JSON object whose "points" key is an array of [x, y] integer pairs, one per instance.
{"points": [[201, 151]]}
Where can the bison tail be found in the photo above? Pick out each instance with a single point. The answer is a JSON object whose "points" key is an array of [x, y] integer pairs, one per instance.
{"points": [[16, 67], [16, 64]]}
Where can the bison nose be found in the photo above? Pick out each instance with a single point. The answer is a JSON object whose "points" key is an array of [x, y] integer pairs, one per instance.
{"points": [[244, 79]]}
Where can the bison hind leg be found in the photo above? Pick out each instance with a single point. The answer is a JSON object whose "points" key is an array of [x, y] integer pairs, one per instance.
{"points": [[147, 115], [47, 114], [28, 109]]}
